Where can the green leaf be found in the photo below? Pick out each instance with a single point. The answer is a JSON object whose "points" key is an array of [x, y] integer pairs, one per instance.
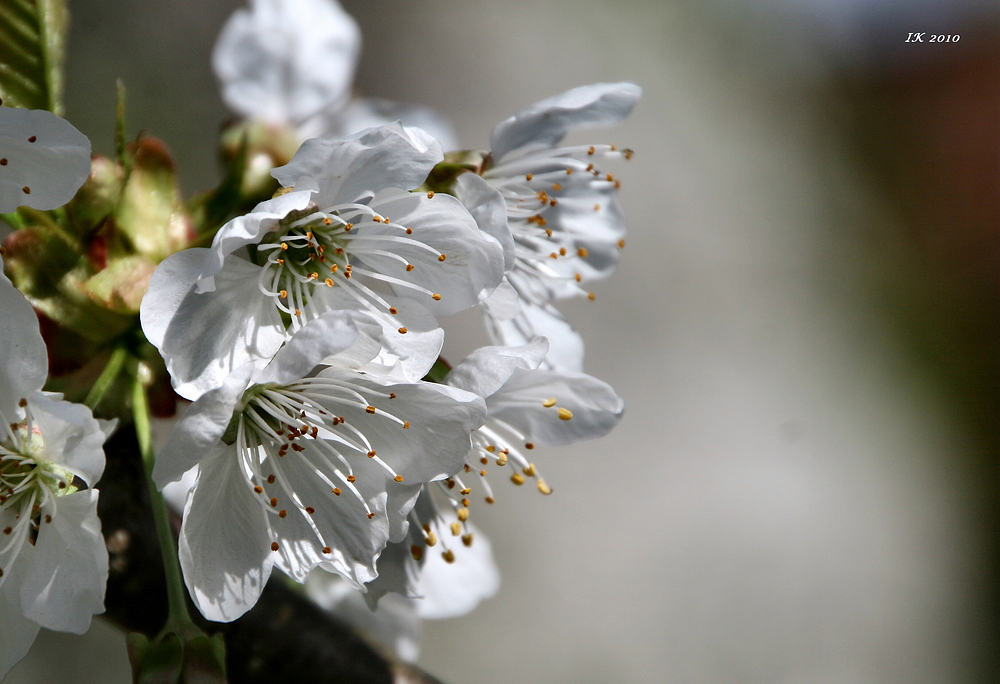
{"points": [[32, 47]]}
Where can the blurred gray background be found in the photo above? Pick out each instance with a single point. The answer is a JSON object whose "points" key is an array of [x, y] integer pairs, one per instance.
{"points": [[803, 326]]}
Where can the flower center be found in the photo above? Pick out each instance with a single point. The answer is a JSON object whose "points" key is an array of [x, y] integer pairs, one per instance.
{"points": [[28, 483], [317, 248], [300, 421]]}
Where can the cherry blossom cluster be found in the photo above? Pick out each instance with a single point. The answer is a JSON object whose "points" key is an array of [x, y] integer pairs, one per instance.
{"points": [[326, 436]]}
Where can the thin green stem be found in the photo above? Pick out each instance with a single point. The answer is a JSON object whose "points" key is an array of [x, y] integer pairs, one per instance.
{"points": [[107, 377], [178, 621]]}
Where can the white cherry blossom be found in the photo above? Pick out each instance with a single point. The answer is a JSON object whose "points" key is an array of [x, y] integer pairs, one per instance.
{"points": [[527, 406], [53, 561], [292, 62], [43, 159], [348, 236], [304, 469], [563, 212]]}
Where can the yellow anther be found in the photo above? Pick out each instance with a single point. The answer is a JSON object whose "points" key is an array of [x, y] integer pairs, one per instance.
{"points": [[591, 150], [371, 454], [467, 539], [597, 207], [430, 194], [351, 478], [329, 282], [282, 513], [610, 177], [431, 538], [369, 409], [409, 231], [409, 267], [327, 549], [406, 425], [465, 491], [416, 552], [614, 147], [298, 313], [274, 502], [530, 470], [402, 331], [556, 186], [544, 488], [490, 500], [436, 297], [621, 244], [490, 448], [284, 246], [554, 255], [327, 221], [371, 515], [565, 414], [591, 296], [448, 556], [274, 546], [310, 510], [628, 153], [529, 445], [562, 251], [528, 177], [393, 310], [482, 473], [398, 478], [336, 491], [442, 257], [517, 478], [579, 277], [283, 294], [258, 490], [502, 459], [347, 228], [456, 529], [463, 514], [582, 253]]}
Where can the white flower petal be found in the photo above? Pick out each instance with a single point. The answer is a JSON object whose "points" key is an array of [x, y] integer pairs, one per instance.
{"points": [[489, 209], [198, 431], [247, 230], [286, 60], [407, 355], [73, 438], [224, 547], [357, 167], [452, 589], [504, 303], [17, 632], [473, 261], [585, 407], [324, 336], [440, 419], [485, 370], [24, 364], [369, 112], [541, 320], [394, 624], [43, 159], [64, 586], [204, 337], [545, 123], [354, 540]]}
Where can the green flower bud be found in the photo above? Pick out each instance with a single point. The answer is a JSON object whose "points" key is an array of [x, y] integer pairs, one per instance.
{"points": [[97, 197], [151, 212]]}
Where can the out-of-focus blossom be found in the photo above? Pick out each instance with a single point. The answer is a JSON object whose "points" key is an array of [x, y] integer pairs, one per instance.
{"points": [[292, 62]]}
